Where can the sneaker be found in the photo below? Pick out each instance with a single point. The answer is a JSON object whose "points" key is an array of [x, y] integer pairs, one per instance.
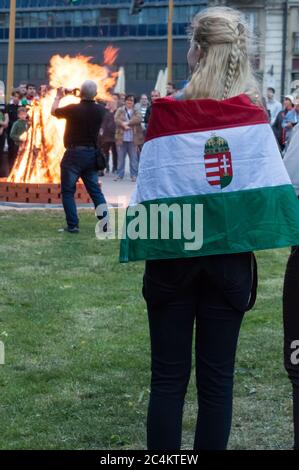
{"points": [[118, 178], [133, 178], [69, 230]]}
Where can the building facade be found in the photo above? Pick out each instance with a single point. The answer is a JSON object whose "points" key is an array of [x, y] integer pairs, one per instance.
{"points": [[48, 27], [277, 33]]}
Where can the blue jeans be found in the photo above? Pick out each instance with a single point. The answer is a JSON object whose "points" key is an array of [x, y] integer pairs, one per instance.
{"points": [[79, 162], [122, 150]]}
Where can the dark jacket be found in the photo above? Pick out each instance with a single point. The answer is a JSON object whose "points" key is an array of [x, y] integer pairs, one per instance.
{"points": [[278, 130], [107, 133]]}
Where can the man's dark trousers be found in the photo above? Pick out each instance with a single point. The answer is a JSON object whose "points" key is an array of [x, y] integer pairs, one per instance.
{"points": [[291, 331], [79, 162]]}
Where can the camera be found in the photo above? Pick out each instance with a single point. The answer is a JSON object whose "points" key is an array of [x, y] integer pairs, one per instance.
{"points": [[72, 91]]}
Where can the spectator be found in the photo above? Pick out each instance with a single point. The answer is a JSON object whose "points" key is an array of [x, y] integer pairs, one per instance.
{"points": [[83, 122], [142, 108], [107, 134], [290, 120], [121, 99], [31, 93], [42, 91], [4, 119], [278, 130], [22, 89], [19, 129], [273, 106], [155, 94], [116, 97], [170, 89], [12, 110], [128, 137]]}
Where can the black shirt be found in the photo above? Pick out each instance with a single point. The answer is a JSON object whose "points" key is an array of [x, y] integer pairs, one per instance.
{"points": [[83, 122], [12, 111]]}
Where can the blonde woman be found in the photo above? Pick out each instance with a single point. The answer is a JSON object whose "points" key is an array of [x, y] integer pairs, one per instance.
{"points": [[212, 291]]}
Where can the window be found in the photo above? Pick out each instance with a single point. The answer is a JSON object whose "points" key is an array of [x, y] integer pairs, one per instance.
{"points": [[252, 18], [184, 14], [59, 18], [3, 20], [141, 71], [37, 72], [108, 16], [21, 71], [130, 71], [180, 71], [43, 18], [25, 20], [33, 19], [152, 71]]}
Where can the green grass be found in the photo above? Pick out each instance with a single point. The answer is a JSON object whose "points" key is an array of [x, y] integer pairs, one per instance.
{"points": [[75, 330]]}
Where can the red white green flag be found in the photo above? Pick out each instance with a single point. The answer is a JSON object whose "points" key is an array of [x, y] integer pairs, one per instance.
{"points": [[212, 169]]}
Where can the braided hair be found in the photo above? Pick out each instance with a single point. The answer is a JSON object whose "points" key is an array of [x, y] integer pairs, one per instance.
{"points": [[224, 70]]}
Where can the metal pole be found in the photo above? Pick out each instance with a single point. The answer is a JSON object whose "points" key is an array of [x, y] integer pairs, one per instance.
{"points": [[170, 40], [284, 48], [11, 49]]}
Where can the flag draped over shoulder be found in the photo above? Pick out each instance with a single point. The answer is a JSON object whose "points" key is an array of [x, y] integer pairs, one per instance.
{"points": [[220, 156]]}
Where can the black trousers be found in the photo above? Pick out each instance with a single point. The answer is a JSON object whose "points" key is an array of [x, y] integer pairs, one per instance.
{"points": [[213, 293], [106, 147], [291, 332], [13, 149]]}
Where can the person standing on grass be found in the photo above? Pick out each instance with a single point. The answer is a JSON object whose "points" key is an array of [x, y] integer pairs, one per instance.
{"points": [[291, 293], [19, 129], [210, 161], [128, 136], [279, 131], [290, 120], [213, 291], [155, 94], [83, 122], [4, 122], [12, 109], [273, 106], [142, 108], [106, 139]]}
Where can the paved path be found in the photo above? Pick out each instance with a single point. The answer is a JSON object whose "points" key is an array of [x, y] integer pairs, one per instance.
{"points": [[117, 193]]}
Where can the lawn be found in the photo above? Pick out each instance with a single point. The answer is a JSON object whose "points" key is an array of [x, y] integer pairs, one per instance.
{"points": [[76, 337]]}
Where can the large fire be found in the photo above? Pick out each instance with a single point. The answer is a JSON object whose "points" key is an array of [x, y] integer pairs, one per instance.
{"points": [[38, 160]]}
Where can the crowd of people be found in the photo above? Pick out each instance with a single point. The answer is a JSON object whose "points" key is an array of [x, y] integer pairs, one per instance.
{"points": [[125, 123], [283, 117], [122, 132], [124, 128], [14, 120]]}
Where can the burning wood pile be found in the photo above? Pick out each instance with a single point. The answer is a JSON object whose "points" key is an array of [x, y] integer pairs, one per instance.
{"points": [[35, 175]]}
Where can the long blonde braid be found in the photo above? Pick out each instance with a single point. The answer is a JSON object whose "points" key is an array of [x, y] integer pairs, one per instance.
{"points": [[225, 69]]}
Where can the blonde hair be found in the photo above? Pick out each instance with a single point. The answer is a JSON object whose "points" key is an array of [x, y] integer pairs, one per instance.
{"points": [[225, 69]]}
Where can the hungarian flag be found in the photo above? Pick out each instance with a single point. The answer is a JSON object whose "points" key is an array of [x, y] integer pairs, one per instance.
{"points": [[211, 181]]}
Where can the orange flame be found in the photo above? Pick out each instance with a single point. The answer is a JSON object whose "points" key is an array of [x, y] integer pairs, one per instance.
{"points": [[38, 159]]}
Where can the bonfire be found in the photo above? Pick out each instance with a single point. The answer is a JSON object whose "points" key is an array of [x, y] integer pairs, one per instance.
{"points": [[39, 157]]}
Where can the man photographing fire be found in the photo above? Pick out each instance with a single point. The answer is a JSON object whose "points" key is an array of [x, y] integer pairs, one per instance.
{"points": [[83, 122]]}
